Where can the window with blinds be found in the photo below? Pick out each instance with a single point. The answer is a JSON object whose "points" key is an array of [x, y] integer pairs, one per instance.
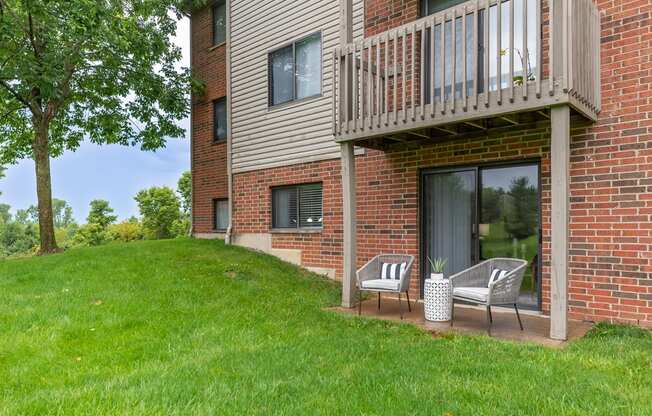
{"points": [[298, 206]]}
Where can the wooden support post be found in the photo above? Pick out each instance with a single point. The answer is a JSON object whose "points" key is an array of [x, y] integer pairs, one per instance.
{"points": [[346, 71], [560, 172], [349, 224]]}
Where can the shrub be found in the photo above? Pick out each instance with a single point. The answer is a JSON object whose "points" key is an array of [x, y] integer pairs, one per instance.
{"points": [[181, 227], [125, 231], [90, 235], [17, 238]]}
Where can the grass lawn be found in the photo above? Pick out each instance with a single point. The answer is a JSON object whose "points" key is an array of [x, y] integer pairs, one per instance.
{"points": [[193, 327]]}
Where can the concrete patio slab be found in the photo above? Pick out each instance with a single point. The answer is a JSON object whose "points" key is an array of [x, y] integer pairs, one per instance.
{"points": [[471, 320]]}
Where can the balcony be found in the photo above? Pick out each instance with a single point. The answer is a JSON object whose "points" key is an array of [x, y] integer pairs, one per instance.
{"points": [[475, 66]]}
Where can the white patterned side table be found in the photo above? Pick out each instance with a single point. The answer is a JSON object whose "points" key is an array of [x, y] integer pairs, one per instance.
{"points": [[437, 300]]}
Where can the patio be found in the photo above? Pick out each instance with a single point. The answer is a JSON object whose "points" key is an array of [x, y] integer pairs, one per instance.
{"points": [[471, 320]]}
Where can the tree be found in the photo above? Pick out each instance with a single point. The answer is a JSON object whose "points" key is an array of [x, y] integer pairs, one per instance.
{"points": [[521, 221], [184, 188], [100, 213], [62, 215], [491, 204], [76, 69], [159, 208], [5, 215], [27, 216]]}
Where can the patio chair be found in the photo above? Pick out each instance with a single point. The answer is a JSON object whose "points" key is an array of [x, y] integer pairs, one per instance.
{"points": [[495, 282], [386, 273]]}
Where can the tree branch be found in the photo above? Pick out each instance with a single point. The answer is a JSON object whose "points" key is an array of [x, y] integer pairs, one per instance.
{"points": [[8, 113], [15, 94], [64, 88], [32, 39]]}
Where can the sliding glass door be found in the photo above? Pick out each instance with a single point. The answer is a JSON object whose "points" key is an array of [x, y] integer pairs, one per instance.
{"points": [[450, 206], [458, 37], [509, 221], [474, 214]]}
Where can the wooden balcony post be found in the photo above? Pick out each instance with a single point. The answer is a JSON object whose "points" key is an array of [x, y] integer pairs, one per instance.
{"points": [[346, 73], [560, 172], [348, 224]]}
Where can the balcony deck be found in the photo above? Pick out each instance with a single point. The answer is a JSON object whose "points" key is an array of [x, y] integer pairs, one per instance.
{"points": [[528, 56]]}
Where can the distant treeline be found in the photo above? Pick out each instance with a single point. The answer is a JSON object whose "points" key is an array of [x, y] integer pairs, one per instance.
{"points": [[164, 213]]}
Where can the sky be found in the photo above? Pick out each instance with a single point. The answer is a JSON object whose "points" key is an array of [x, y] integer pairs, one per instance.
{"points": [[114, 173]]}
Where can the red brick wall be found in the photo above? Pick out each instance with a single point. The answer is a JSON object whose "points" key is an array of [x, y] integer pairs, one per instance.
{"points": [[611, 189], [209, 159], [382, 15], [611, 184], [387, 192], [253, 212]]}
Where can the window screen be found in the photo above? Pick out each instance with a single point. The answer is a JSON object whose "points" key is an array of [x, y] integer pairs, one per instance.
{"points": [[219, 119], [295, 71], [221, 214], [219, 22], [281, 71], [297, 206], [308, 66]]}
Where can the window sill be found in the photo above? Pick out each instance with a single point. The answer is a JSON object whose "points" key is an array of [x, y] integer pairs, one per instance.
{"points": [[296, 230], [218, 142], [212, 48]]}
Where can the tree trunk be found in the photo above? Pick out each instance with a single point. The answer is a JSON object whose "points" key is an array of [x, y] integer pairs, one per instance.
{"points": [[44, 189]]}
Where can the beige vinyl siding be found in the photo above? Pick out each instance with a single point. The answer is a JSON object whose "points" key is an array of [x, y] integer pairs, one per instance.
{"points": [[292, 133]]}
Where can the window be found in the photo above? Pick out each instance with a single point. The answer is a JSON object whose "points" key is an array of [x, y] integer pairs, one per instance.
{"points": [[434, 6], [220, 214], [219, 22], [219, 120], [295, 71], [297, 206]]}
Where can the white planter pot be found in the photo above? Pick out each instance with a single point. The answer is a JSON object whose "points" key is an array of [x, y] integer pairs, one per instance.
{"points": [[437, 276]]}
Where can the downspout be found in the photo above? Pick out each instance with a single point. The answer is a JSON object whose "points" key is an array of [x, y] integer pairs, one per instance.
{"points": [[229, 136], [191, 231]]}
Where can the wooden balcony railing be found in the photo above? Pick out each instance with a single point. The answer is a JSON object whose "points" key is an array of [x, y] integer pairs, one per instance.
{"points": [[481, 59]]}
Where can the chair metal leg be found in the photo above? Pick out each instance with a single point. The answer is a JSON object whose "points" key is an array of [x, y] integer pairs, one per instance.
{"points": [[491, 317], [452, 311], [400, 305], [408, 299], [378, 300], [489, 320], [518, 316]]}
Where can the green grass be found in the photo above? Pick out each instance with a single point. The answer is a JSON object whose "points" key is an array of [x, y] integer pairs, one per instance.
{"points": [[193, 327]]}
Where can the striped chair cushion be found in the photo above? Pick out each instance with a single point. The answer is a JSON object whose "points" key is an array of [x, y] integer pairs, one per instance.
{"points": [[392, 271], [497, 274]]}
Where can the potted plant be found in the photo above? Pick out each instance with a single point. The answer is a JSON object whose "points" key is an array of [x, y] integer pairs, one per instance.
{"points": [[437, 268]]}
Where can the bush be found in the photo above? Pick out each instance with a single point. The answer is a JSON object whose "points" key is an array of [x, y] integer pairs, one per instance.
{"points": [[181, 227], [90, 235], [17, 238], [125, 231]]}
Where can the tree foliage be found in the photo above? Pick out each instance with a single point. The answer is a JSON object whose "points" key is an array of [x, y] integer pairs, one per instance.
{"points": [[61, 212], [159, 209], [522, 220], [72, 70], [101, 213], [184, 188]]}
